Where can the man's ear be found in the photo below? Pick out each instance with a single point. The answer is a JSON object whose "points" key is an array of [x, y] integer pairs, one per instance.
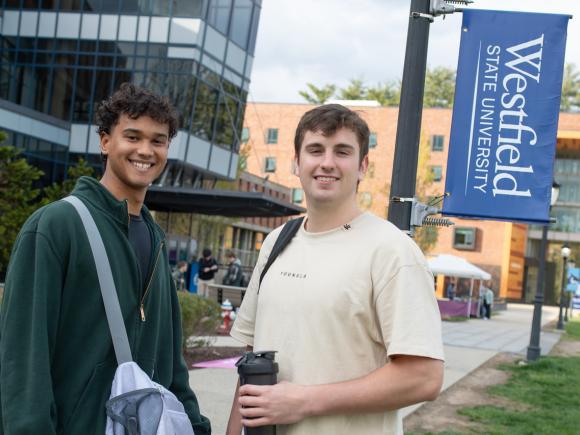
{"points": [[105, 142], [364, 165], [296, 166]]}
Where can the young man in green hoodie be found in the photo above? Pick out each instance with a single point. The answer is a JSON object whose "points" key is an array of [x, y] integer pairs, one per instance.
{"points": [[56, 355]]}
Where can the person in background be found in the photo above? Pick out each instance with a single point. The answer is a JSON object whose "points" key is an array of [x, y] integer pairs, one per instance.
{"points": [[488, 303], [451, 290], [207, 268], [234, 275], [179, 274]]}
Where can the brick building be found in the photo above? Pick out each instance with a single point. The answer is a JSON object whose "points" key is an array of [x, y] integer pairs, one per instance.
{"points": [[504, 249]]}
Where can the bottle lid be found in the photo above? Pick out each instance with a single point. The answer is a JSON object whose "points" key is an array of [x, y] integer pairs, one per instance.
{"points": [[260, 362]]}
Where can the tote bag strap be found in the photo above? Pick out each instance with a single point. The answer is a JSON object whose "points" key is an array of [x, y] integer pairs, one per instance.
{"points": [[108, 291]]}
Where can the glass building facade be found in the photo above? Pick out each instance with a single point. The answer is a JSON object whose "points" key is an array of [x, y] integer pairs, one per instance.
{"points": [[60, 58]]}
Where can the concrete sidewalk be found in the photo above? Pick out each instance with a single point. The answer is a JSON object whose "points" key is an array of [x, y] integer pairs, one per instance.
{"points": [[467, 346]]}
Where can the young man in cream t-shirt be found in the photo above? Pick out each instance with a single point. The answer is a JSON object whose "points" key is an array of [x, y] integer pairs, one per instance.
{"points": [[348, 305]]}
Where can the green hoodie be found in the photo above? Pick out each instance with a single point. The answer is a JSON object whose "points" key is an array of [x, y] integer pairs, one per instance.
{"points": [[56, 355]]}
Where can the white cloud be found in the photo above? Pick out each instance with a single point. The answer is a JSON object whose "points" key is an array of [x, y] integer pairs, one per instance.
{"points": [[330, 41]]}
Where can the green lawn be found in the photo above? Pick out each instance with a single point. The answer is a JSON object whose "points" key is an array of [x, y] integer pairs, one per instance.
{"points": [[549, 387], [547, 394], [573, 328]]}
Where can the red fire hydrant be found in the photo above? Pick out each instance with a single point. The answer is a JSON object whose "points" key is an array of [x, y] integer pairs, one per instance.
{"points": [[228, 314]]}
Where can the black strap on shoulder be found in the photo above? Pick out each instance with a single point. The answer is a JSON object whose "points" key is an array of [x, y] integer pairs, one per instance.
{"points": [[286, 235]]}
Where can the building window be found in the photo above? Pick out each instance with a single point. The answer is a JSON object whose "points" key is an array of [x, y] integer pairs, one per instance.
{"points": [[272, 135], [437, 142], [241, 18], [297, 196], [270, 164], [372, 140], [437, 172], [464, 238], [219, 14], [245, 134]]}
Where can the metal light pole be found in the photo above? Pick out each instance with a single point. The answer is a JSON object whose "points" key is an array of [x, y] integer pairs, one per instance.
{"points": [[534, 349], [404, 176], [403, 179], [565, 254]]}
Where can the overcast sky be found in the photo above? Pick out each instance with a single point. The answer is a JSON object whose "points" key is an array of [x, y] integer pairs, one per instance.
{"points": [[332, 41]]}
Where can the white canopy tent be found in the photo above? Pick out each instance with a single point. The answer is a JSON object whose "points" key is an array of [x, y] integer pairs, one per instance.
{"points": [[450, 265]]}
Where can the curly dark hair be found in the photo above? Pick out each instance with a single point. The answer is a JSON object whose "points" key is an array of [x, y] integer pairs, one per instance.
{"points": [[135, 102], [328, 119]]}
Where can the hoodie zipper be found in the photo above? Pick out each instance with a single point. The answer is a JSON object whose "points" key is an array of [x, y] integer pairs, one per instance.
{"points": [[142, 307], [142, 303]]}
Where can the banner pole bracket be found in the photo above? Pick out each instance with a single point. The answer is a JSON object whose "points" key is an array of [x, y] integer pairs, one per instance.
{"points": [[444, 7], [421, 216], [427, 17]]}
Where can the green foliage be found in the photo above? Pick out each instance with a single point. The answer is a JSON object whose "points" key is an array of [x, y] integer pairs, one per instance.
{"points": [[439, 87], [548, 388], [425, 237], [570, 89], [434, 433], [200, 317], [316, 95], [17, 197], [439, 90], [58, 191], [356, 90], [387, 94]]}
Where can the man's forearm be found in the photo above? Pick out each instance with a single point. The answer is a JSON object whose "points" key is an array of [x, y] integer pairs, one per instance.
{"points": [[235, 421], [393, 386], [406, 380]]}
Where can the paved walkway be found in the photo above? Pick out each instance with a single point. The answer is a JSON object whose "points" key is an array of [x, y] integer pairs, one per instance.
{"points": [[467, 346]]}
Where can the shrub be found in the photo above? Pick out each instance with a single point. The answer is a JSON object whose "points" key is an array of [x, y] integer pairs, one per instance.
{"points": [[200, 317]]}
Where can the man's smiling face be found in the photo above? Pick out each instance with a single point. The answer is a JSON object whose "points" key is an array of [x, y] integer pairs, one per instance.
{"points": [[136, 151], [329, 167]]}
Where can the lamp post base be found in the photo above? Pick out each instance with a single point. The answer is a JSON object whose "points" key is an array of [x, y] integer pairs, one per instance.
{"points": [[533, 353]]}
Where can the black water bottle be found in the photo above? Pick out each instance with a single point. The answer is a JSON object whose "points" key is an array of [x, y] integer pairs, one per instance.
{"points": [[258, 368]]}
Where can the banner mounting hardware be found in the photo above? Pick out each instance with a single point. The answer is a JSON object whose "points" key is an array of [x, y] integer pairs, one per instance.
{"points": [[444, 7], [420, 214]]}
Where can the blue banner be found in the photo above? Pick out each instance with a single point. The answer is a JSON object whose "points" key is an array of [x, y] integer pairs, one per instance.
{"points": [[505, 115], [573, 283]]}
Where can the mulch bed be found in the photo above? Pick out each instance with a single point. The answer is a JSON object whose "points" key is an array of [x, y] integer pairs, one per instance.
{"points": [[209, 353]]}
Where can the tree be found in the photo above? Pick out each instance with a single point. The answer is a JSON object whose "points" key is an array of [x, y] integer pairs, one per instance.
{"points": [[570, 89], [356, 90], [317, 95], [59, 190], [387, 94], [425, 237], [439, 90], [18, 197], [439, 87]]}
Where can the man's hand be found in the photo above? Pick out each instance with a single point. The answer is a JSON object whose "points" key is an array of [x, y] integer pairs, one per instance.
{"points": [[283, 403]]}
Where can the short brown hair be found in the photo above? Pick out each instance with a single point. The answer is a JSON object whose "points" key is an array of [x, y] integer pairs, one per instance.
{"points": [[328, 119]]}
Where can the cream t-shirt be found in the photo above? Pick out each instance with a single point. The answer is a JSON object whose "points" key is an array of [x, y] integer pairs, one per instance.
{"points": [[335, 305]]}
